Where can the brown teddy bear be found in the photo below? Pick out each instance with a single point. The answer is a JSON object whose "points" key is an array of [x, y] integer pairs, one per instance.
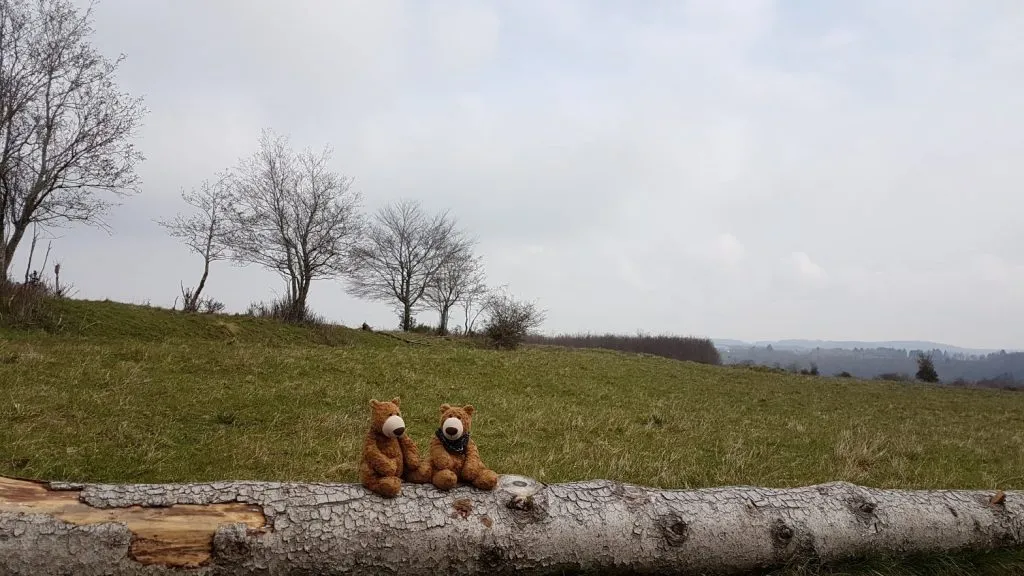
{"points": [[389, 455], [454, 455]]}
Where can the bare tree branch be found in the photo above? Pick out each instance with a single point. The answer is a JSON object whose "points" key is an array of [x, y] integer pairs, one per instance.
{"points": [[205, 232], [291, 214], [65, 129], [401, 253], [462, 273], [472, 302]]}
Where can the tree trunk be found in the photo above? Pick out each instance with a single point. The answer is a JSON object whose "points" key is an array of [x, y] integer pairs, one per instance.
{"points": [[520, 527], [194, 304], [11, 247], [406, 316], [301, 297], [442, 323]]}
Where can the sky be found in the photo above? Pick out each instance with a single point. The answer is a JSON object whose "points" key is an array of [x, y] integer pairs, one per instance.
{"points": [[748, 169]]}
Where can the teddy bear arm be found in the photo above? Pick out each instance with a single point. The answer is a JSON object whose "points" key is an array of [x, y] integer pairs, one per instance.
{"points": [[439, 459], [421, 474], [380, 463], [473, 466], [410, 453]]}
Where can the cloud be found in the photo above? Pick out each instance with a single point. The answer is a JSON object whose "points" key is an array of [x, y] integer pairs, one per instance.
{"points": [[997, 273], [464, 34], [838, 39], [807, 270], [730, 250]]}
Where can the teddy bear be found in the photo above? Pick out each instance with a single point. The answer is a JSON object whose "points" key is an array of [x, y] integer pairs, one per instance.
{"points": [[453, 454], [389, 455]]}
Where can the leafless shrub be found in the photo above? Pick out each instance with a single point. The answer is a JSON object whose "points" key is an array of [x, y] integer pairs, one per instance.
{"points": [[284, 310], [29, 305], [193, 304], [509, 321], [211, 306], [186, 299]]}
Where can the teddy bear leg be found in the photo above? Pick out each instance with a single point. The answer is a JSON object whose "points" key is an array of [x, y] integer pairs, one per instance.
{"points": [[486, 480], [445, 479], [387, 486]]}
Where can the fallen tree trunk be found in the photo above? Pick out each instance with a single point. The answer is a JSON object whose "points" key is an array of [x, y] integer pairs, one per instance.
{"points": [[522, 526]]}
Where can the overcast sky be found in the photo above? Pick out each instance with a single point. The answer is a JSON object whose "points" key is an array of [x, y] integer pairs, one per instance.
{"points": [[743, 169]]}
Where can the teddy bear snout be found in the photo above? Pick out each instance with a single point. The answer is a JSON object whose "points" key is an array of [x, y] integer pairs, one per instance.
{"points": [[452, 428], [393, 427]]}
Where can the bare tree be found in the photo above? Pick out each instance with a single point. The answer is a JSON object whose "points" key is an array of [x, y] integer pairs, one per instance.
{"points": [[65, 129], [400, 255], [291, 214], [204, 231], [472, 302], [460, 274]]}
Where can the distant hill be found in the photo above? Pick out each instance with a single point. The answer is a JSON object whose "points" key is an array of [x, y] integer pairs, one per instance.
{"points": [[801, 344]]}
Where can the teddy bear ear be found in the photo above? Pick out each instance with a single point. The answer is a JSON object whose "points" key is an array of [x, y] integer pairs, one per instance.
{"points": [[469, 409], [374, 403], [445, 408], [395, 400]]}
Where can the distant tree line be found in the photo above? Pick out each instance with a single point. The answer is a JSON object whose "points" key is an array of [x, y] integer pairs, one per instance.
{"points": [[998, 369], [691, 349]]}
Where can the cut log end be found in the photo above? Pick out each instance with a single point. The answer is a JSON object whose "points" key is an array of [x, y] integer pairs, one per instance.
{"points": [[179, 535]]}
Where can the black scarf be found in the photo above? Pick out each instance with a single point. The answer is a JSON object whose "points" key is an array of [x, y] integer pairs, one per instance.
{"points": [[455, 446]]}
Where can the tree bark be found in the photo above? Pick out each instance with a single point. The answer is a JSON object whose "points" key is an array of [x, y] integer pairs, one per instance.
{"points": [[11, 247], [406, 316], [521, 527], [193, 304], [442, 322]]}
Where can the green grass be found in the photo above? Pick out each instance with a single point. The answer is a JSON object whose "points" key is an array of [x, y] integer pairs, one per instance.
{"points": [[141, 394], [135, 394]]}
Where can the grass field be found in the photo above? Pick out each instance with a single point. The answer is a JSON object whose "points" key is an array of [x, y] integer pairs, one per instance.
{"points": [[135, 394]]}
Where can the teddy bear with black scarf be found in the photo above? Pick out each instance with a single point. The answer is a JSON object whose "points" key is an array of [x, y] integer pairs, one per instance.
{"points": [[454, 456]]}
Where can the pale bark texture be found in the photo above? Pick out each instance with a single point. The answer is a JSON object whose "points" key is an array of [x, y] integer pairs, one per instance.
{"points": [[520, 527]]}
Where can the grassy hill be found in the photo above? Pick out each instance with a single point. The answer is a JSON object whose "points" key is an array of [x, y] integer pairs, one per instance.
{"points": [[121, 393], [127, 393]]}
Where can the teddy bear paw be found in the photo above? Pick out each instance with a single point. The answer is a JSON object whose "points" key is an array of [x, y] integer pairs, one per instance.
{"points": [[389, 487], [445, 479]]}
